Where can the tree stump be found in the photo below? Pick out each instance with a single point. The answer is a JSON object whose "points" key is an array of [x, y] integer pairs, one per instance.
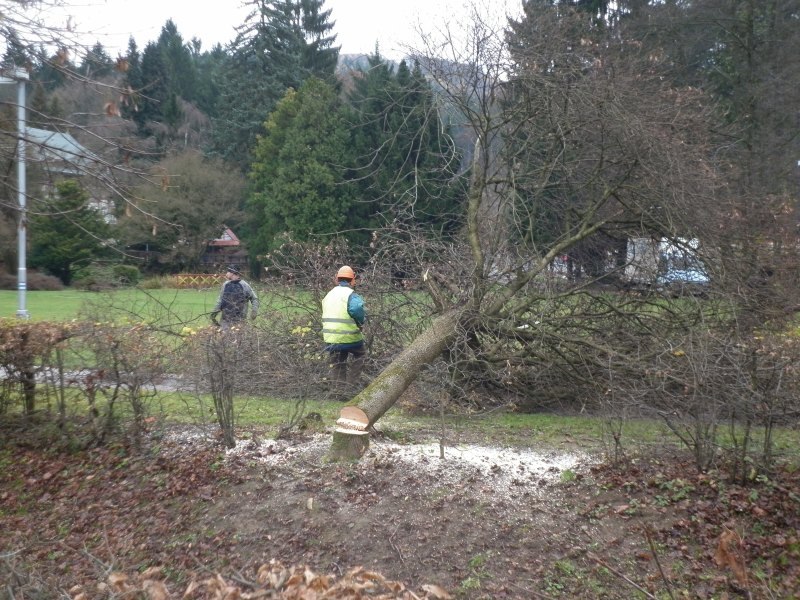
{"points": [[350, 438]]}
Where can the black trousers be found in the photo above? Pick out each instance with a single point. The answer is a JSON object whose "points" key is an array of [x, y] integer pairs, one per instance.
{"points": [[340, 373]]}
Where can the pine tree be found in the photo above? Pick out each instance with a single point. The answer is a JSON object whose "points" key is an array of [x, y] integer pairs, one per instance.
{"points": [[133, 104], [282, 43], [168, 73], [68, 233], [96, 63], [154, 88], [401, 147], [297, 176]]}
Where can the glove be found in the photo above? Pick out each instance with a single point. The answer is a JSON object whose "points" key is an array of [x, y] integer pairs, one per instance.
{"points": [[213, 316]]}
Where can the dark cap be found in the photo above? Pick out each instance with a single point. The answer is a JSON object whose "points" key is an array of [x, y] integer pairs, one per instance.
{"points": [[234, 270]]}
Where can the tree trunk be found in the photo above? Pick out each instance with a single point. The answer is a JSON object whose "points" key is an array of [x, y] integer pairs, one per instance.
{"points": [[350, 440]]}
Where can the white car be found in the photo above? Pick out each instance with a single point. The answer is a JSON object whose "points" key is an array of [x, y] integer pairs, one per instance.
{"points": [[684, 281]]}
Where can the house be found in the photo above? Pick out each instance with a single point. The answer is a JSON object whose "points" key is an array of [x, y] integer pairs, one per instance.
{"points": [[224, 250], [60, 153], [61, 156], [663, 262]]}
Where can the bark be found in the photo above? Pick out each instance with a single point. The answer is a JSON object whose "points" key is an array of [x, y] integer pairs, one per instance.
{"points": [[350, 440]]}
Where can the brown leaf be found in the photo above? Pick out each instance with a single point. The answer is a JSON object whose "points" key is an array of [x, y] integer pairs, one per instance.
{"points": [[118, 582], [725, 555], [155, 590], [190, 590], [232, 593], [151, 573], [435, 592]]}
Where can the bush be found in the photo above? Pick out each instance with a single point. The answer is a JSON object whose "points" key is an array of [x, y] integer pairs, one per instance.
{"points": [[126, 274], [153, 283], [35, 281], [7, 281], [103, 277]]}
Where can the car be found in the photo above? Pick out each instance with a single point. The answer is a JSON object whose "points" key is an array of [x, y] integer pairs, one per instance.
{"points": [[691, 281]]}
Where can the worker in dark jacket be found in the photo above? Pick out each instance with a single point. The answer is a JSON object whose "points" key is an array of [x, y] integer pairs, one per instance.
{"points": [[233, 299], [343, 317]]}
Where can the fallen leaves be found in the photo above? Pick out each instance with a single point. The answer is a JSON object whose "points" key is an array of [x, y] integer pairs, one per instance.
{"points": [[168, 506], [273, 580]]}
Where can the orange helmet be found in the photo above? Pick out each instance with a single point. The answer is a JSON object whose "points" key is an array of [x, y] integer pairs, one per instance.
{"points": [[346, 273]]}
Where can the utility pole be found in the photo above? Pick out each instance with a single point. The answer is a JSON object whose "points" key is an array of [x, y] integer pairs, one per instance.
{"points": [[20, 77]]}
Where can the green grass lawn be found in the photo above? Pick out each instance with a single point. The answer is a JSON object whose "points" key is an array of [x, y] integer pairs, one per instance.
{"points": [[66, 305]]}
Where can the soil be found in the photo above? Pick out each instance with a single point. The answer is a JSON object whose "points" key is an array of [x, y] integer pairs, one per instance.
{"points": [[273, 519]]}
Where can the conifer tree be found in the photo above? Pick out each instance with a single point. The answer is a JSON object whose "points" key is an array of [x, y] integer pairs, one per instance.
{"points": [[282, 43], [402, 147], [297, 176], [132, 107], [68, 234], [167, 73], [96, 63]]}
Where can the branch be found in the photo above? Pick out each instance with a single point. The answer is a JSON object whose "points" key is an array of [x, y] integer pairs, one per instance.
{"points": [[620, 575]]}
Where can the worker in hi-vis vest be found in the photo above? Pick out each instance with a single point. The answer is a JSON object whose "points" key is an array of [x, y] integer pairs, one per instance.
{"points": [[343, 317]]}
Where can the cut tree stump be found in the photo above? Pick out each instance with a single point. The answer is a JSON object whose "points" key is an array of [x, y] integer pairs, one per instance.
{"points": [[351, 438]]}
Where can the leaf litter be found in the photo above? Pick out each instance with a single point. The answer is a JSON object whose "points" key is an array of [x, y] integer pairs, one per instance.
{"points": [[487, 521]]}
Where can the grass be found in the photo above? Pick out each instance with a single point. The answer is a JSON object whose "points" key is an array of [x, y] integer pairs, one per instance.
{"points": [[187, 306], [66, 305], [191, 306], [250, 411], [266, 415]]}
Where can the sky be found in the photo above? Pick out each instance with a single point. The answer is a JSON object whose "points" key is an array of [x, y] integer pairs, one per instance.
{"points": [[359, 23]]}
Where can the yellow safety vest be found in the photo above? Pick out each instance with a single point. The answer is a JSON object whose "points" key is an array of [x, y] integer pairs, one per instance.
{"points": [[338, 327]]}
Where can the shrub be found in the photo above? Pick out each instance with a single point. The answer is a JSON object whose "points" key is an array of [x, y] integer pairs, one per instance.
{"points": [[153, 283], [7, 281], [41, 282], [126, 274], [35, 281], [101, 277], [25, 350]]}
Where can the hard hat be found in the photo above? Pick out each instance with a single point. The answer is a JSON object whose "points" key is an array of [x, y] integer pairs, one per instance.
{"points": [[345, 273]]}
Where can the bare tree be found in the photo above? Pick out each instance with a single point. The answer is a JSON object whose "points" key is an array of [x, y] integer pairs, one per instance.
{"points": [[572, 140]]}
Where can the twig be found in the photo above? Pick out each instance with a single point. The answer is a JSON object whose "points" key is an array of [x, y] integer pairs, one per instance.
{"points": [[337, 567], [395, 546], [239, 578], [620, 575], [533, 593], [648, 535]]}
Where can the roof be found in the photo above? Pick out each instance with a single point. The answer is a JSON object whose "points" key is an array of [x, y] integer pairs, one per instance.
{"points": [[60, 152], [228, 238]]}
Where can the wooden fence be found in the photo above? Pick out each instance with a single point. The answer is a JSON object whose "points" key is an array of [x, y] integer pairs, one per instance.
{"points": [[198, 280]]}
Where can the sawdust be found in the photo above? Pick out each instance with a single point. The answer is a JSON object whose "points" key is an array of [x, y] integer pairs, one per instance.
{"points": [[449, 463]]}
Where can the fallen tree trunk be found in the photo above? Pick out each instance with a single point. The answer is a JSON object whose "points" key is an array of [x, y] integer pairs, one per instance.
{"points": [[350, 439]]}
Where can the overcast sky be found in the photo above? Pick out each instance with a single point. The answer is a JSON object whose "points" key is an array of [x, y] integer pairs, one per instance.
{"points": [[359, 23]]}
